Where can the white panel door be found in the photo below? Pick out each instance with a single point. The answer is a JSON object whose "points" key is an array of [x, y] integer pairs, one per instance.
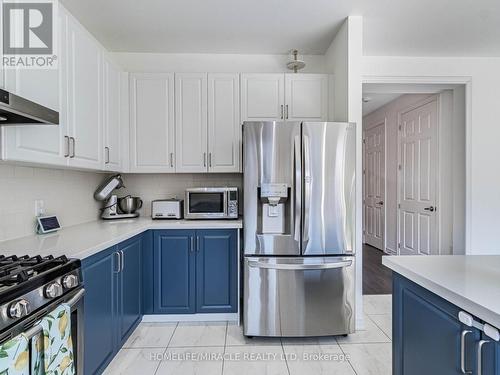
{"points": [[191, 122], [262, 97], [42, 144], [85, 98], [112, 116], [306, 97], [418, 224], [224, 129], [374, 186], [152, 123]]}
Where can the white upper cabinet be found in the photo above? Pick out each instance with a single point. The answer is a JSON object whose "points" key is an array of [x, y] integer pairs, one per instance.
{"points": [[262, 97], [224, 129], [112, 116], [275, 97], [191, 122], [152, 123], [85, 109], [42, 144], [306, 97]]}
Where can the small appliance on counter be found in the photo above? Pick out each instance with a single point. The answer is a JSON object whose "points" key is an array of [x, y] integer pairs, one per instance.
{"points": [[211, 203], [114, 207], [167, 209]]}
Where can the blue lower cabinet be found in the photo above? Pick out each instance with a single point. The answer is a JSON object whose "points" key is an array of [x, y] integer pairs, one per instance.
{"points": [[216, 271], [490, 357], [174, 272], [427, 333], [112, 307], [195, 271], [99, 316], [129, 287]]}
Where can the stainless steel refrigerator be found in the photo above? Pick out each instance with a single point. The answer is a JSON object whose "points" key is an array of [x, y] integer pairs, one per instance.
{"points": [[299, 223]]}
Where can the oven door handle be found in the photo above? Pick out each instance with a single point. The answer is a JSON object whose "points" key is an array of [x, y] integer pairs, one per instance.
{"points": [[37, 328]]}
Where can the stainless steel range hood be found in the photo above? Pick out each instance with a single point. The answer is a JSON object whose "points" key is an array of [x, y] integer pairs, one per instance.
{"points": [[15, 110]]}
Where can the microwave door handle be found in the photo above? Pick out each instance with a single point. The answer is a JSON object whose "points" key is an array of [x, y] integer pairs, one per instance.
{"points": [[298, 190]]}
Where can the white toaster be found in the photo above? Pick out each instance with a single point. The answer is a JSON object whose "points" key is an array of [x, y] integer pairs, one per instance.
{"points": [[167, 209]]}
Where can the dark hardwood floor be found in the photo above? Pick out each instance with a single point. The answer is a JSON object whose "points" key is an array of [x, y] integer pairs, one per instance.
{"points": [[377, 279]]}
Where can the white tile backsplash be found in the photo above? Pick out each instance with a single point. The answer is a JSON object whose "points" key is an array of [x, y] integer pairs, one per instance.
{"points": [[161, 186], [69, 194]]}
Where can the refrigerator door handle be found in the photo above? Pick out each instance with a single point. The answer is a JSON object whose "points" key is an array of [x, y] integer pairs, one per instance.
{"points": [[298, 190], [298, 267], [307, 190]]}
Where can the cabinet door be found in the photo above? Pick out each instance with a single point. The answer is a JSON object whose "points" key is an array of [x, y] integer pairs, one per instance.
{"points": [[85, 97], [129, 288], [174, 273], [98, 278], [224, 129], [216, 271], [262, 97], [306, 97], [42, 144], [191, 122], [152, 123], [490, 357], [427, 333], [112, 116]]}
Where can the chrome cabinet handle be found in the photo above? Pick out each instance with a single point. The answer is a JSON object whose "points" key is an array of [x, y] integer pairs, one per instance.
{"points": [[210, 159], [286, 112], [204, 159], [191, 247], [197, 243], [282, 112], [66, 146], [172, 159], [479, 356], [106, 160], [462, 352], [119, 262], [123, 260], [73, 143]]}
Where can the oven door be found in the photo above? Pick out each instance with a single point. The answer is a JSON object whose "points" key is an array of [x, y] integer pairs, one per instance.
{"points": [[30, 326], [205, 203]]}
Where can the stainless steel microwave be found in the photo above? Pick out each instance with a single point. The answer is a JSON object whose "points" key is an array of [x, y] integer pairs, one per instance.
{"points": [[211, 203]]}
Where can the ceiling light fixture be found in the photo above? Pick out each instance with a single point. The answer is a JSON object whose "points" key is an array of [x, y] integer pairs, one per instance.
{"points": [[296, 62]]}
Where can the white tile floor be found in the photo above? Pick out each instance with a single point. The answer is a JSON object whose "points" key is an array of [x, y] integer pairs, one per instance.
{"points": [[220, 348]]}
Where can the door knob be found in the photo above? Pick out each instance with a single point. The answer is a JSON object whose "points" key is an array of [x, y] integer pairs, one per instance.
{"points": [[381, 203], [431, 209]]}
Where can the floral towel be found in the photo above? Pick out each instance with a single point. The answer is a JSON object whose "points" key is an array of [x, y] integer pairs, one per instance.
{"points": [[14, 356], [52, 349]]}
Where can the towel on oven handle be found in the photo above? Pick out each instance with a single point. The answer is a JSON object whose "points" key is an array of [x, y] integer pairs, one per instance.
{"points": [[14, 356], [52, 349]]}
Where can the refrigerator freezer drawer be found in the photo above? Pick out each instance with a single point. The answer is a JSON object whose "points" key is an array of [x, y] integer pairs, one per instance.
{"points": [[298, 297]]}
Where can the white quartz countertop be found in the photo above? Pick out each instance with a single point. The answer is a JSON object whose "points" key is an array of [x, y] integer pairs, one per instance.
{"points": [[83, 240], [472, 282]]}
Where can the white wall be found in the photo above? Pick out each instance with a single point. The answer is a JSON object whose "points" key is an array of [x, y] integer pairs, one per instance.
{"points": [[69, 194], [343, 59], [162, 186], [483, 153], [213, 63]]}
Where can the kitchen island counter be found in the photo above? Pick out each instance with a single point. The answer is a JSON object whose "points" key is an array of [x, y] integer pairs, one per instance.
{"points": [[84, 240], [471, 282]]}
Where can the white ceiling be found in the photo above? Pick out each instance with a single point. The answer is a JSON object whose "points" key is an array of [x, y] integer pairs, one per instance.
{"points": [[391, 27]]}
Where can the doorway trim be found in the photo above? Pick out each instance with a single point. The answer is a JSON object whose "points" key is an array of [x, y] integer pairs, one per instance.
{"points": [[443, 80]]}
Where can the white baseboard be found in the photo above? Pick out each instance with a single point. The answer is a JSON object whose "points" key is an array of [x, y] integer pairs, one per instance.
{"points": [[168, 318]]}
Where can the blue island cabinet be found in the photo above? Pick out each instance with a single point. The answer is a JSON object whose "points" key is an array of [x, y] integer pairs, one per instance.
{"points": [[428, 337], [112, 304], [195, 271]]}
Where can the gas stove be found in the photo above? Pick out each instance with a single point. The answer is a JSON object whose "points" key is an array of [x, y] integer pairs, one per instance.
{"points": [[29, 284]]}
